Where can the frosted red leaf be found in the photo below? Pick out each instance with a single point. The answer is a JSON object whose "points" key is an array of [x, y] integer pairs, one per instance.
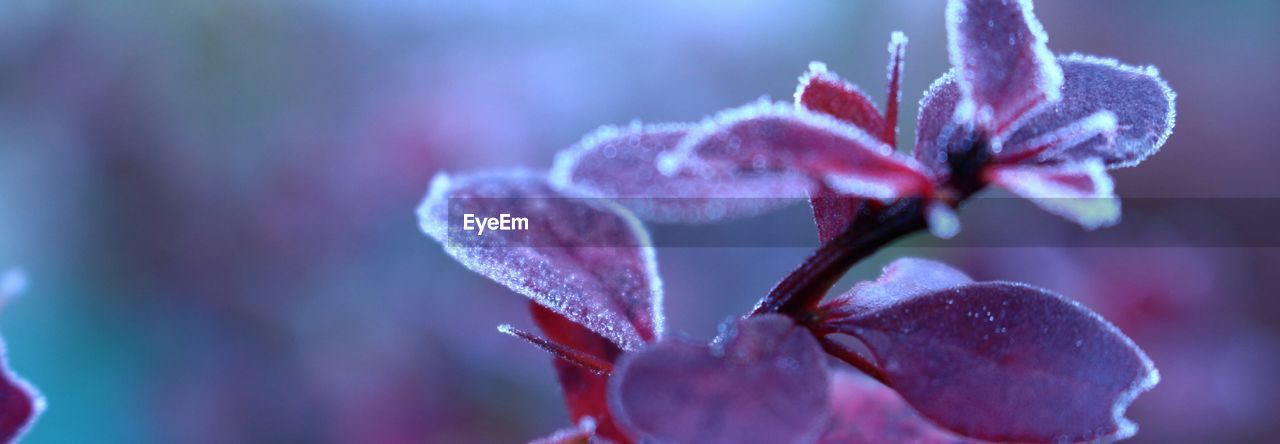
{"points": [[1002, 361], [588, 260], [1140, 101], [767, 138], [765, 381], [824, 92], [1082, 192], [620, 163], [1005, 69]]}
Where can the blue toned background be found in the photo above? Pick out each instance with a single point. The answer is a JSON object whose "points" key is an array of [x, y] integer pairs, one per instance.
{"points": [[214, 200]]}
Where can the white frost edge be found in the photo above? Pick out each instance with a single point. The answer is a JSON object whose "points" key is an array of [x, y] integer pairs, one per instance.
{"points": [[684, 155], [1098, 211], [436, 202], [1150, 72], [562, 169], [1051, 75], [1125, 428], [13, 282], [818, 70]]}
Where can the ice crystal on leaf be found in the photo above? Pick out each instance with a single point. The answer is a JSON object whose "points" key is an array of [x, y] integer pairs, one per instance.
{"points": [[995, 360], [598, 268]]}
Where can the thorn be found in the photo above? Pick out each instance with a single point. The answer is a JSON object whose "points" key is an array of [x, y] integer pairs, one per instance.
{"points": [[582, 359]]}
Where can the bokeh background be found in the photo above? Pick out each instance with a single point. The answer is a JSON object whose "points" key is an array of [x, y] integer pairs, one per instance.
{"points": [[214, 200]]}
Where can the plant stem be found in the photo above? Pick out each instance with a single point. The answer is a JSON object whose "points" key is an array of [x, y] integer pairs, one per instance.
{"points": [[801, 291]]}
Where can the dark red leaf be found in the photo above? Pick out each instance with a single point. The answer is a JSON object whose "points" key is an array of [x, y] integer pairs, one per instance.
{"points": [[20, 402], [865, 411], [937, 134], [1005, 67], [1140, 101], [1002, 361], [585, 391], [620, 163], [1080, 192], [1108, 111], [764, 382], [588, 260], [824, 92], [773, 139]]}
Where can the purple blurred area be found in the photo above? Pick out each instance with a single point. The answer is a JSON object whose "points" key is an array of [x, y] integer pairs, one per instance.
{"points": [[215, 200]]}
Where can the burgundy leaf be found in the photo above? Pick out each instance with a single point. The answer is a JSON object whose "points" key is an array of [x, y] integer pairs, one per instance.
{"points": [[937, 134], [620, 163], [20, 402], [897, 57], [1141, 102], [1081, 192], [865, 411], [585, 391], [823, 92], [1005, 67], [772, 138], [1005, 362], [764, 382], [585, 259]]}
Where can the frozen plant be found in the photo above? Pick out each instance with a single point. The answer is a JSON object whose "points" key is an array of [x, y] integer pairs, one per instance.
{"points": [[935, 356]]}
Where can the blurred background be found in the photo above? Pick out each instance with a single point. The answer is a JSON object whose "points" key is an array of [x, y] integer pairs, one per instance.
{"points": [[214, 201]]}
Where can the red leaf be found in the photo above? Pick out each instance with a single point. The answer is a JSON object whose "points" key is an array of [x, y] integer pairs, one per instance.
{"points": [[1002, 361], [1005, 68], [773, 138], [1141, 103], [585, 259], [1108, 111], [585, 392], [765, 382], [824, 92], [937, 134], [20, 402], [620, 163], [865, 411], [1082, 192]]}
